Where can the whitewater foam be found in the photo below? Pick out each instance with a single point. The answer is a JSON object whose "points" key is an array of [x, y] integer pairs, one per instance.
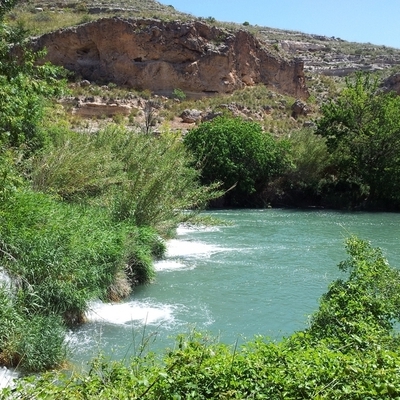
{"points": [[125, 313], [187, 229], [7, 377], [186, 248], [171, 265]]}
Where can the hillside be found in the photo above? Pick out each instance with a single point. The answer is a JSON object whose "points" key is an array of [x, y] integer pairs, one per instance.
{"points": [[331, 56], [327, 60]]}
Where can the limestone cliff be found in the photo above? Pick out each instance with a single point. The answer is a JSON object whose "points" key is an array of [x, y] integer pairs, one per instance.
{"points": [[162, 56]]}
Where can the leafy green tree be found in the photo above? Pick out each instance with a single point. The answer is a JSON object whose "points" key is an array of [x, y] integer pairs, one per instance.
{"points": [[362, 131], [239, 154], [25, 86], [301, 185]]}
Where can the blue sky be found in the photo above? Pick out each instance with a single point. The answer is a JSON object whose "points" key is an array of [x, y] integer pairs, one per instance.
{"points": [[373, 21]]}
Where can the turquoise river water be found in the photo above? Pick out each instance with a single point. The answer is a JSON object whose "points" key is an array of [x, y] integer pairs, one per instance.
{"points": [[263, 274]]}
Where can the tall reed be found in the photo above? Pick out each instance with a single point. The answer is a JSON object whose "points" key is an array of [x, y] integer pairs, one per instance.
{"points": [[142, 178]]}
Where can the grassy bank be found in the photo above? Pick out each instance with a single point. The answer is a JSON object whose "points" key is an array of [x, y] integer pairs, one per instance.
{"points": [[58, 257], [83, 219]]}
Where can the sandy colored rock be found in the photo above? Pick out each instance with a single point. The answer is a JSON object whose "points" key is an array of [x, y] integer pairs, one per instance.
{"points": [[162, 56]]}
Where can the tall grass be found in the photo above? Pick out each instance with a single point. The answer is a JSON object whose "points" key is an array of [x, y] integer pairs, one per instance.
{"points": [[142, 178], [60, 256], [31, 342], [159, 184], [76, 165], [63, 255]]}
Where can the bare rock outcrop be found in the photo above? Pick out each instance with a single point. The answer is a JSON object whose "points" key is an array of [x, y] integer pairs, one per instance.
{"points": [[392, 83], [300, 108], [162, 56]]}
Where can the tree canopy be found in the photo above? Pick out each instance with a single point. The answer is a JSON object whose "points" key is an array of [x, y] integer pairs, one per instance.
{"points": [[240, 155], [362, 131], [25, 86]]}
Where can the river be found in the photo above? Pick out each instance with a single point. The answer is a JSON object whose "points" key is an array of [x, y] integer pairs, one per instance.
{"points": [[262, 274]]}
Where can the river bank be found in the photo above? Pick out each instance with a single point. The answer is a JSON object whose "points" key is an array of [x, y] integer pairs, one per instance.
{"points": [[320, 357]]}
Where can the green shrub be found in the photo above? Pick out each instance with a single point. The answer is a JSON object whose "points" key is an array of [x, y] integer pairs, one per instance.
{"points": [[239, 154], [362, 132], [302, 184], [10, 179], [360, 311], [144, 245], [25, 87], [139, 269], [179, 94]]}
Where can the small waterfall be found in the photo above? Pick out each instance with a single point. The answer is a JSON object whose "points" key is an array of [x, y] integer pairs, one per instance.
{"points": [[7, 377]]}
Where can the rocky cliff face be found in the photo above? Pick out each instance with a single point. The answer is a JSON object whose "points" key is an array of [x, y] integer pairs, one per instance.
{"points": [[162, 56]]}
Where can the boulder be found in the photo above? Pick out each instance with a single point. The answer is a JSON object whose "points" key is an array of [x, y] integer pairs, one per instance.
{"points": [[299, 108], [191, 116], [392, 83]]}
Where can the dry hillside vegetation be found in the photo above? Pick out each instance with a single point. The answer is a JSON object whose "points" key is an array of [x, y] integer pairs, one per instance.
{"points": [[326, 61]]}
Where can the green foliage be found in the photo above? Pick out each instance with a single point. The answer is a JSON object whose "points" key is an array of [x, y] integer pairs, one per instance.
{"points": [[142, 178], [158, 182], [42, 343], [10, 180], [179, 94], [302, 184], [11, 321], [62, 255], [6, 6], [33, 342], [362, 132], [361, 310], [239, 154], [145, 245], [76, 165], [25, 86]]}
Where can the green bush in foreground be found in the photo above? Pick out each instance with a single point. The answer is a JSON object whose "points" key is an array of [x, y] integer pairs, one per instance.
{"points": [[350, 351]]}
